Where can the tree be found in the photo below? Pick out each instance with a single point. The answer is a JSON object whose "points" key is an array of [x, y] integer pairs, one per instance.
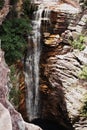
{"points": [[13, 36]]}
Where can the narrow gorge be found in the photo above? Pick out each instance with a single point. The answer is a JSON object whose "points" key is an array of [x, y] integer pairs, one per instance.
{"points": [[54, 84]]}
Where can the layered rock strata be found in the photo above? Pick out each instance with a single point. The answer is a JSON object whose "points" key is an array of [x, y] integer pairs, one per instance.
{"points": [[60, 68]]}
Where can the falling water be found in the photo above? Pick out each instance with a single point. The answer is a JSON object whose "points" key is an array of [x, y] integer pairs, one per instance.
{"points": [[52, 2], [42, 1], [32, 65]]}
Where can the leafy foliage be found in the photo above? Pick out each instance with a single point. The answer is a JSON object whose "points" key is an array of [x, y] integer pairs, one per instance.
{"points": [[83, 76], [78, 43], [13, 74], [14, 97], [13, 36], [28, 7], [83, 73], [14, 92], [1, 3], [84, 108], [13, 2]]}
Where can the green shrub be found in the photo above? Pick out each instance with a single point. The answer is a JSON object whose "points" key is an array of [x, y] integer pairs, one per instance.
{"points": [[84, 108], [1, 3], [28, 7], [78, 43], [14, 97], [83, 73], [13, 75], [14, 92], [13, 37], [13, 2]]}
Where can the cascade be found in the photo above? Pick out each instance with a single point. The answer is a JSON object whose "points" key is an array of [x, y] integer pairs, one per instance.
{"points": [[52, 2], [45, 95], [32, 65]]}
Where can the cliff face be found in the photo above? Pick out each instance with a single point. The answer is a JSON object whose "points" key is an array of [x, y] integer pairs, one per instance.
{"points": [[10, 119], [62, 92]]}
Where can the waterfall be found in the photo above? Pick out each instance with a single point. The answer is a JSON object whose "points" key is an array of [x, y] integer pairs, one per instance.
{"points": [[32, 65], [45, 1]]}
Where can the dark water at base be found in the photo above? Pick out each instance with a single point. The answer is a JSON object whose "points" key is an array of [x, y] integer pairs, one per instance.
{"points": [[48, 125]]}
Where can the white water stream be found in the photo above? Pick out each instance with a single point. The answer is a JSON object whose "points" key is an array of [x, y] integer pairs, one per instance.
{"points": [[32, 64]]}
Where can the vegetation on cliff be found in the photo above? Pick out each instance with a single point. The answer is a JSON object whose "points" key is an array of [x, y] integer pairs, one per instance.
{"points": [[83, 76], [14, 92], [1, 3], [28, 8], [83, 111], [83, 73], [79, 42], [14, 35]]}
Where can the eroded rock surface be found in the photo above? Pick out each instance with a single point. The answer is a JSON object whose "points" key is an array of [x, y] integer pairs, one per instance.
{"points": [[60, 69]]}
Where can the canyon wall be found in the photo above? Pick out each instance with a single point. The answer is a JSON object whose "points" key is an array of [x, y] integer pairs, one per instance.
{"points": [[10, 119], [62, 92]]}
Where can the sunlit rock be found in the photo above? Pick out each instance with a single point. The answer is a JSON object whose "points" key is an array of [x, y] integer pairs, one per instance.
{"points": [[53, 40], [5, 119]]}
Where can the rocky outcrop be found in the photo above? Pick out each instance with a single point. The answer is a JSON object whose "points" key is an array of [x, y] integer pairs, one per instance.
{"points": [[81, 23], [61, 15], [10, 119], [81, 124], [62, 91], [5, 120], [60, 83]]}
